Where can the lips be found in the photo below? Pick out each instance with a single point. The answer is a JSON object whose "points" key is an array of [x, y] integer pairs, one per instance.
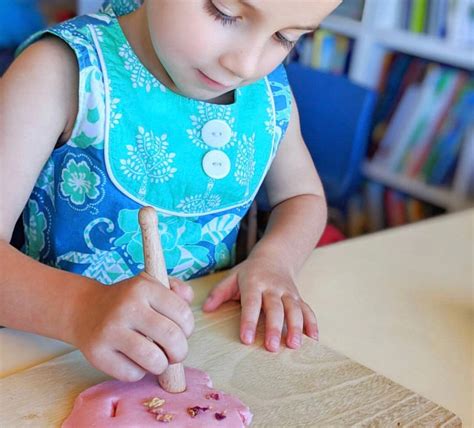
{"points": [[212, 82]]}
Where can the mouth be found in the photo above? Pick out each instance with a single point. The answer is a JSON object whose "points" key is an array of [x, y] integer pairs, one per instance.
{"points": [[211, 82]]}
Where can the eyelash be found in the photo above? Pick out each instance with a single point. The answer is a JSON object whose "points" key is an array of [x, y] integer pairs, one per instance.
{"points": [[231, 20]]}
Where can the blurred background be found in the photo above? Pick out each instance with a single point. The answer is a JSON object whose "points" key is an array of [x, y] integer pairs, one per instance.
{"points": [[385, 90]]}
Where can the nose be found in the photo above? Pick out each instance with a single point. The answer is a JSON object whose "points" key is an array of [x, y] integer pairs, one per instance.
{"points": [[243, 61]]}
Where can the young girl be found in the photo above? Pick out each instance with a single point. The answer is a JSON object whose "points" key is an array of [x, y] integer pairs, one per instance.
{"points": [[182, 105]]}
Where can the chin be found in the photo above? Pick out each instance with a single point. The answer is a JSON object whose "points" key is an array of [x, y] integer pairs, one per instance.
{"points": [[195, 92], [198, 93]]}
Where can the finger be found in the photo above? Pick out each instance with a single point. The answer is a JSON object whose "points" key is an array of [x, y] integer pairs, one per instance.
{"points": [[170, 338], [222, 292], [251, 306], [294, 321], [119, 366], [143, 352], [173, 307], [182, 289], [274, 318], [310, 322]]}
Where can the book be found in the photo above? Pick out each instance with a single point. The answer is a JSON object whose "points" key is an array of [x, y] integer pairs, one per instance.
{"points": [[415, 124], [418, 16], [441, 96], [402, 115], [340, 55], [395, 208], [460, 22], [443, 157], [406, 13], [463, 183], [330, 52], [303, 51], [403, 71], [356, 216], [374, 202], [422, 151], [323, 45], [390, 16], [437, 18], [415, 210]]}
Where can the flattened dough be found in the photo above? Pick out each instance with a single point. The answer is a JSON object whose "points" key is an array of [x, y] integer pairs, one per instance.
{"points": [[121, 404]]}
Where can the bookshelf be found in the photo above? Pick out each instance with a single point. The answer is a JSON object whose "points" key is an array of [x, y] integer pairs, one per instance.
{"points": [[440, 196], [375, 34]]}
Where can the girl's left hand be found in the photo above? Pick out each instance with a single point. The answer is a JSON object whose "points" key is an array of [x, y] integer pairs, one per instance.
{"points": [[261, 284]]}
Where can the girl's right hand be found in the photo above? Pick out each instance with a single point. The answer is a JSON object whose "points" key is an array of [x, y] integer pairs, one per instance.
{"points": [[135, 326]]}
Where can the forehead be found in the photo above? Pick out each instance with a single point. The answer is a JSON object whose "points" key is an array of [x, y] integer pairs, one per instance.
{"points": [[291, 13]]}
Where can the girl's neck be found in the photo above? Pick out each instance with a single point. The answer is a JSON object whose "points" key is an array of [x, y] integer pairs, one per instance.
{"points": [[135, 28]]}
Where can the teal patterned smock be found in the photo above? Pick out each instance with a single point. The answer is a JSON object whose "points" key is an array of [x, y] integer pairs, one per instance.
{"points": [[137, 143]]}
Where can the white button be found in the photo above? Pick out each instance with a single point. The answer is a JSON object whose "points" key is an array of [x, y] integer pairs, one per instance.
{"points": [[216, 164], [216, 133]]}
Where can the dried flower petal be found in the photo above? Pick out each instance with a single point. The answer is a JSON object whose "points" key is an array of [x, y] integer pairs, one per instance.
{"points": [[154, 403], [220, 416], [213, 396], [194, 411], [164, 417]]}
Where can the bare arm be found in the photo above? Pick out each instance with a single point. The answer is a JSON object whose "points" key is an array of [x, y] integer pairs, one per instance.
{"points": [[38, 95], [111, 325], [299, 210]]}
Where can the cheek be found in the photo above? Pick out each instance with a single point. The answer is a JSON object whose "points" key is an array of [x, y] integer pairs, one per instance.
{"points": [[184, 40], [271, 59]]}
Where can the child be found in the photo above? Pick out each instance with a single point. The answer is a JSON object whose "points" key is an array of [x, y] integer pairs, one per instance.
{"points": [[182, 105]]}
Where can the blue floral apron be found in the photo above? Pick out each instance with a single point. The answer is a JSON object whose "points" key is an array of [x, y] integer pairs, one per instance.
{"points": [[137, 143]]}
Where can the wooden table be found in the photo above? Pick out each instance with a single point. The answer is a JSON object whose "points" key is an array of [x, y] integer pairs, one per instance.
{"points": [[398, 302]]}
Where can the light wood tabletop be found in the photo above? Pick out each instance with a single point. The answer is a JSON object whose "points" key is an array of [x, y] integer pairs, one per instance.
{"points": [[397, 307]]}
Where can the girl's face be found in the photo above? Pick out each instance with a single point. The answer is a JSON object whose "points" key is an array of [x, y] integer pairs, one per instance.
{"points": [[210, 47]]}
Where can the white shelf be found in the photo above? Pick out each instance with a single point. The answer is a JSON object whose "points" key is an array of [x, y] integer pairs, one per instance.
{"points": [[440, 196], [422, 45], [427, 47], [374, 36], [340, 24]]}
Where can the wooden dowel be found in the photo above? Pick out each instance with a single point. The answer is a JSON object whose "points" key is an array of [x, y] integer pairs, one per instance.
{"points": [[173, 379]]}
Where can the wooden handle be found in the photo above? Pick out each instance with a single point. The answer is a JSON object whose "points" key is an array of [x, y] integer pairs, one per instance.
{"points": [[173, 379]]}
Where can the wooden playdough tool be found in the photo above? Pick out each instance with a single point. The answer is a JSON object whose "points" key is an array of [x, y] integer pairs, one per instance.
{"points": [[173, 379]]}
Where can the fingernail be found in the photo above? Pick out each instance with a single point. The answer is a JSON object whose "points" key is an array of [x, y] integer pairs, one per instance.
{"points": [[248, 337], [274, 343], [296, 340]]}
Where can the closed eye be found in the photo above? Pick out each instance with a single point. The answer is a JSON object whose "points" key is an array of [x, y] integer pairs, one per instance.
{"points": [[219, 15], [225, 19], [288, 44]]}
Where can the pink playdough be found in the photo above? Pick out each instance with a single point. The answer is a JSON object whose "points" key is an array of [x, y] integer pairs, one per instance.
{"points": [[121, 404]]}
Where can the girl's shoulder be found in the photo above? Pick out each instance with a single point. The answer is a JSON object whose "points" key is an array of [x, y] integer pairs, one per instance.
{"points": [[75, 41], [77, 33]]}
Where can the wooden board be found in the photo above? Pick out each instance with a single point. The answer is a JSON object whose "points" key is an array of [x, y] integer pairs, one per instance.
{"points": [[314, 386]]}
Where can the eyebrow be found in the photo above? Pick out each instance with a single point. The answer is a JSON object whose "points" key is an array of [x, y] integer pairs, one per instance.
{"points": [[250, 5]]}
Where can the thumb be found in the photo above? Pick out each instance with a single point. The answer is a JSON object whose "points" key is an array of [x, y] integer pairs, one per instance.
{"points": [[225, 290]]}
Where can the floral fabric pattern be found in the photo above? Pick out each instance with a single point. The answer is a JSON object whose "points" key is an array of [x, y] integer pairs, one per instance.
{"points": [[136, 143], [149, 160], [139, 75], [81, 183], [35, 229]]}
